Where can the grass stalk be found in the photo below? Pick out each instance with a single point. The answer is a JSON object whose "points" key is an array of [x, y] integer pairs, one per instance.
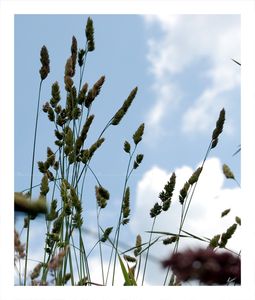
{"points": [[32, 177]]}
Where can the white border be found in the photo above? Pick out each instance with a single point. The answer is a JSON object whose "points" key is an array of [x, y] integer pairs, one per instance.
{"points": [[8, 9]]}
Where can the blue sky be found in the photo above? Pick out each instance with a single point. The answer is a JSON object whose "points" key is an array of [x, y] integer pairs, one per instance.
{"points": [[182, 66]]}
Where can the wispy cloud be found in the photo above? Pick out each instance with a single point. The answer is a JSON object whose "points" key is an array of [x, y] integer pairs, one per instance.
{"points": [[207, 42]]}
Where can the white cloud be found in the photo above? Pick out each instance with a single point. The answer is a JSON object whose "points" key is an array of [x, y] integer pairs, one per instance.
{"points": [[210, 41], [203, 219], [96, 272]]}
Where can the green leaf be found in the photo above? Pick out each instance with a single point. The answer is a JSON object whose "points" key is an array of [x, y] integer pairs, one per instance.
{"points": [[129, 279], [194, 236], [167, 233]]}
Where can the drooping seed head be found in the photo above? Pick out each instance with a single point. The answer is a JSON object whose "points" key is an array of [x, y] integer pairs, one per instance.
{"points": [[238, 220], [170, 240], [227, 172], [129, 258], [127, 147], [138, 160]]}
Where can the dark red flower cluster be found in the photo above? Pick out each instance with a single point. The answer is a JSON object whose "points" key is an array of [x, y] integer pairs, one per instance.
{"points": [[205, 265]]}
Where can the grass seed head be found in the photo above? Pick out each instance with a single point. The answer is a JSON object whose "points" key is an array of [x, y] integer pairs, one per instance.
{"points": [[95, 146], [137, 137], [106, 234], [214, 143], [89, 31], [138, 160], [68, 74], [50, 157], [53, 214], [127, 147], [225, 212], [238, 220], [81, 54], [44, 186], [86, 127], [166, 195], [55, 93], [41, 167], [94, 92], [129, 258], [51, 115], [56, 262], [138, 245], [227, 172], [46, 107], [170, 240], [156, 210], [214, 242], [194, 177], [219, 128], [45, 61], [126, 205], [124, 108], [74, 53], [227, 235], [57, 225], [18, 247], [36, 271], [102, 196], [82, 94], [184, 192]]}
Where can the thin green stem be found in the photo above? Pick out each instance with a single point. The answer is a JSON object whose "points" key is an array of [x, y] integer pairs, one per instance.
{"points": [[117, 232], [32, 177], [185, 209], [100, 245], [147, 253]]}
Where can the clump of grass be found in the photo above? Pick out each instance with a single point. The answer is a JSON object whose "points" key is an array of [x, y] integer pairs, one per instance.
{"points": [[64, 171], [65, 259]]}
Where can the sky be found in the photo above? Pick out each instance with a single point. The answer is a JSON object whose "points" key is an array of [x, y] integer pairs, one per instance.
{"points": [[183, 69]]}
